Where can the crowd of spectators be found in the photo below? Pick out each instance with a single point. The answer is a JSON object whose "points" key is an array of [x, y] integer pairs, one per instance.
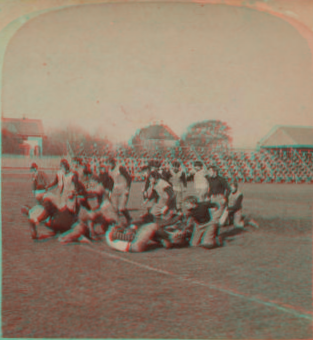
{"points": [[274, 166]]}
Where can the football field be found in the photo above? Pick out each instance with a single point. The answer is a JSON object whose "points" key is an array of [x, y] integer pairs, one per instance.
{"points": [[259, 286]]}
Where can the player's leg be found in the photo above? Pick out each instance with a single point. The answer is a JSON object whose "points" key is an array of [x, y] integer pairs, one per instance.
{"points": [[196, 236], [216, 213], [115, 243], [89, 217], [179, 199], [35, 215], [115, 196], [122, 206], [108, 211], [238, 219], [77, 231], [39, 194], [211, 237], [145, 234], [224, 218]]}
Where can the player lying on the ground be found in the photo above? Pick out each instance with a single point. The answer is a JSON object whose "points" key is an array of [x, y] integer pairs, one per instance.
{"points": [[192, 228]]}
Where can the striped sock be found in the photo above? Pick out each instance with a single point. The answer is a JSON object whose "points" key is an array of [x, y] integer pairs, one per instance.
{"points": [[123, 237]]}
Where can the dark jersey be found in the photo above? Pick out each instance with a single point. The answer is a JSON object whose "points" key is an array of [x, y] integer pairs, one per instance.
{"points": [[201, 213], [125, 173], [218, 186], [107, 181], [63, 221]]}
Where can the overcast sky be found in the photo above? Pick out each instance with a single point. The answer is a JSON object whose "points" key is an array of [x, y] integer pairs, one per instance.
{"points": [[116, 68]]}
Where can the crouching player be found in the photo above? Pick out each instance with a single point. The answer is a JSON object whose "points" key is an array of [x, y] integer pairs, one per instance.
{"points": [[235, 206], [62, 220], [162, 196], [65, 222], [205, 230], [234, 209], [193, 228], [82, 228]]}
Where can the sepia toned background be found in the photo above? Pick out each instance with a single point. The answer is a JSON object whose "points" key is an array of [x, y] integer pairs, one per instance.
{"points": [[113, 69]]}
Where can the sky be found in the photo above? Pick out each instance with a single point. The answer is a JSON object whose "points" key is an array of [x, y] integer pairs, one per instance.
{"points": [[115, 68]]}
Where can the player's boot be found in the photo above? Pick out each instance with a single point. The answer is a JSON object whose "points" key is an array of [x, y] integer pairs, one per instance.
{"points": [[33, 231], [84, 239], [25, 210], [166, 244], [253, 224], [219, 242]]}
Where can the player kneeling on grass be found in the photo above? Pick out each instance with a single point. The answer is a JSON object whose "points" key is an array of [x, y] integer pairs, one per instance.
{"points": [[66, 222], [162, 199], [205, 230], [233, 212]]}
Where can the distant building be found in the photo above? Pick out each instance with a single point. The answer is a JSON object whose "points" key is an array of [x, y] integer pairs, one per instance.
{"points": [[288, 137], [157, 136], [28, 131]]}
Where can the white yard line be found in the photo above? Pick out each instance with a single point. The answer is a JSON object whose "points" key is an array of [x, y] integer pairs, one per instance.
{"points": [[286, 309]]}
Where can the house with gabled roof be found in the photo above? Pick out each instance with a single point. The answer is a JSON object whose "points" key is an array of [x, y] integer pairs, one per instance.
{"points": [[30, 131], [158, 135]]}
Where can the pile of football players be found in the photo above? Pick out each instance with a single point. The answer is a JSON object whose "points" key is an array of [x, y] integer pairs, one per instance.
{"points": [[87, 200]]}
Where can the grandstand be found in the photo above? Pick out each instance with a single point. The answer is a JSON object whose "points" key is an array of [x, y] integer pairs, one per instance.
{"points": [[274, 161]]}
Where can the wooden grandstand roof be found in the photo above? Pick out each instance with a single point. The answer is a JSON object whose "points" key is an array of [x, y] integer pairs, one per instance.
{"points": [[288, 136]]}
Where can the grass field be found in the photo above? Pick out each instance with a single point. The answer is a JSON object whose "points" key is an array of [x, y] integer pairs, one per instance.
{"points": [[259, 286]]}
